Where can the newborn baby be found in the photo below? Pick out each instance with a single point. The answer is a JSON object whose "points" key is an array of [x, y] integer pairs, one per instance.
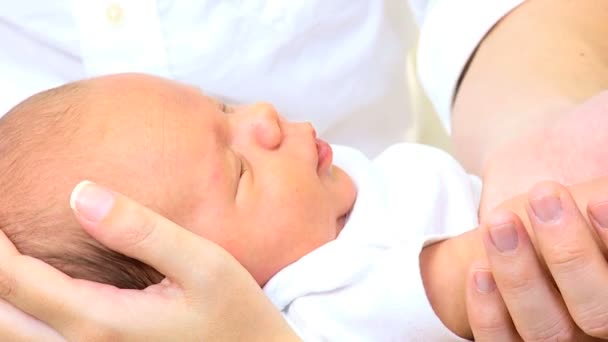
{"points": [[261, 187], [337, 252]]}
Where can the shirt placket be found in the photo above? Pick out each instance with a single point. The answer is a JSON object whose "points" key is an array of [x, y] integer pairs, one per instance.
{"points": [[121, 36]]}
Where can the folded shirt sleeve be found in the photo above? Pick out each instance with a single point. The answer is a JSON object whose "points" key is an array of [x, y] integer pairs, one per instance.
{"points": [[450, 33]]}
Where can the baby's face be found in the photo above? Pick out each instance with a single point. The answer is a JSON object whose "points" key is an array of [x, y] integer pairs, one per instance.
{"points": [[261, 187]]}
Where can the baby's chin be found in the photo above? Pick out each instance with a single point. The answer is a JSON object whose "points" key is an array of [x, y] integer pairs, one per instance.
{"points": [[341, 222], [346, 192]]}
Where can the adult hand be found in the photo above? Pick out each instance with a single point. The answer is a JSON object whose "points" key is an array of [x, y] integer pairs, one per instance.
{"points": [[513, 297], [206, 294], [566, 150]]}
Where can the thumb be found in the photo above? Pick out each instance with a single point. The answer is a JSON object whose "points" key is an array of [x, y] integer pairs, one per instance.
{"points": [[127, 227]]}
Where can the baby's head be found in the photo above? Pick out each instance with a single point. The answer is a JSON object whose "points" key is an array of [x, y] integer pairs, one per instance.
{"points": [[259, 186]]}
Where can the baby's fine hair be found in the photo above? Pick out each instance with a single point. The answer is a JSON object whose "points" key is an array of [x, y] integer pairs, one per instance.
{"points": [[42, 157]]}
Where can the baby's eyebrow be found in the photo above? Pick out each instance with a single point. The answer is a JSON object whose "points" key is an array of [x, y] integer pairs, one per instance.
{"points": [[221, 101], [221, 98], [223, 107], [226, 108], [220, 104]]}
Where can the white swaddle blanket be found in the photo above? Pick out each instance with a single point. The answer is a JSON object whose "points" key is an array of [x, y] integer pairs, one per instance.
{"points": [[366, 285]]}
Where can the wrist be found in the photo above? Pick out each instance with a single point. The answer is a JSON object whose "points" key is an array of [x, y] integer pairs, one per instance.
{"points": [[444, 266]]}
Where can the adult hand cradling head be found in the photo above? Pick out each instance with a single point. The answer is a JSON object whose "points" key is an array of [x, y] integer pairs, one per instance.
{"points": [[185, 306]]}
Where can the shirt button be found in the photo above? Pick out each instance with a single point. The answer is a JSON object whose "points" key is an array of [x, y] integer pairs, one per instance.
{"points": [[114, 14]]}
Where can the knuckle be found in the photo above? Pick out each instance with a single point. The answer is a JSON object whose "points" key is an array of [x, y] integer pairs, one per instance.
{"points": [[490, 326], [133, 237], [550, 333], [593, 321], [518, 283], [7, 285], [136, 228], [487, 333], [567, 258]]}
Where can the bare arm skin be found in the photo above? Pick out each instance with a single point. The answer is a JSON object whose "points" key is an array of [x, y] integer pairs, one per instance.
{"points": [[448, 262], [531, 71]]}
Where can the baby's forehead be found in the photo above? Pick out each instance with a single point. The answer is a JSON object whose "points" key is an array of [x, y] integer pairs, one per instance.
{"points": [[129, 90], [161, 108], [121, 109]]}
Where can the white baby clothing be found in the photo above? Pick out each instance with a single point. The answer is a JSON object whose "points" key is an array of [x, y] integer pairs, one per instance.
{"points": [[366, 284]]}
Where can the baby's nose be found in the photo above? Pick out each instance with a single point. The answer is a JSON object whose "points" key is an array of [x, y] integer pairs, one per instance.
{"points": [[266, 125]]}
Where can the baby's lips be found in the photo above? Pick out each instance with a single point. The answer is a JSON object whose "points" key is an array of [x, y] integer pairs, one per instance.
{"points": [[325, 155]]}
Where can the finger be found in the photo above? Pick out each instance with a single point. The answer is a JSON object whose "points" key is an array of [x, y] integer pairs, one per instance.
{"points": [[129, 228], [534, 304], [63, 303], [572, 256], [598, 216], [15, 325], [37, 288], [487, 313]]}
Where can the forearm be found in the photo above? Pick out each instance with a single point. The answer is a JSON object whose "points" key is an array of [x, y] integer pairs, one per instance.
{"points": [[536, 64], [448, 262]]}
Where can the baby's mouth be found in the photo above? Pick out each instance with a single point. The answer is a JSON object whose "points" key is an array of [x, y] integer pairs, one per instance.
{"points": [[325, 156]]}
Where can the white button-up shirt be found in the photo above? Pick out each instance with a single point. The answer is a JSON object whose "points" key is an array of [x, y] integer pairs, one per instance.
{"points": [[340, 64]]}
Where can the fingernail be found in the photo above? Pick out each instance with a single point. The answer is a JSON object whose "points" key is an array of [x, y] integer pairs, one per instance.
{"points": [[547, 208], [91, 201], [504, 236], [599, 212], [484, 281]]}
